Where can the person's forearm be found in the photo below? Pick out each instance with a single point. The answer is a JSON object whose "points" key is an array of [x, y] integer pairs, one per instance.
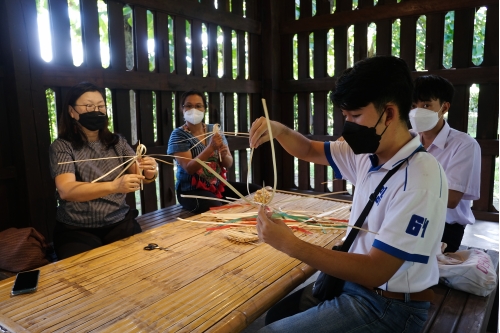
{"points": [[227, 161], [293, 142], [150, 176], [347, 266], [81, 191], [193, 166]]}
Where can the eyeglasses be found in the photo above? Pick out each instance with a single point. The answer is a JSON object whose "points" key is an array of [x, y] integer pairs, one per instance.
{"points": [[92, 107], [200, 107]]}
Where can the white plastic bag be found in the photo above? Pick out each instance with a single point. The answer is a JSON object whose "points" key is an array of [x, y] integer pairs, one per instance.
{"points": [[469, 270]]}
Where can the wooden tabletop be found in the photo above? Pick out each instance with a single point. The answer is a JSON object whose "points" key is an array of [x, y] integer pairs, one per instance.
{"points": [[204, 282]]}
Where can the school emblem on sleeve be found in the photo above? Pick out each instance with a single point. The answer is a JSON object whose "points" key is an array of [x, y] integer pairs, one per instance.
{"points": [[416, 225]]}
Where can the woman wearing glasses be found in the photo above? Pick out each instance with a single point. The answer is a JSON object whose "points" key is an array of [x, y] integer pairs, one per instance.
{"points": [[91, 214], [191, 140]]}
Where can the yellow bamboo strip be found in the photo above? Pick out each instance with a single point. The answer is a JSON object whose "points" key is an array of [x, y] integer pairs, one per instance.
{"points": [[271, 140]]}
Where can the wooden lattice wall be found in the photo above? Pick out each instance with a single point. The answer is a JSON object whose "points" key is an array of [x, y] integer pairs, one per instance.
{"points": [[26, 189]]}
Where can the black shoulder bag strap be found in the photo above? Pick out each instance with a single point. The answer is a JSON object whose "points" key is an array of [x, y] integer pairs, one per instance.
{"points": [[359, 222], [328, 287]]}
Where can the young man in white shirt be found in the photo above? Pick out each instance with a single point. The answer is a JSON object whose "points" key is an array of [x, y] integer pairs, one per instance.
{"points": [[458, 153], [388, 273]]}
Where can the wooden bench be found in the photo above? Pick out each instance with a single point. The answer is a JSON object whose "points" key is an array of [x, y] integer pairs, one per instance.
{"points": [[457, 311], [161, 216]]}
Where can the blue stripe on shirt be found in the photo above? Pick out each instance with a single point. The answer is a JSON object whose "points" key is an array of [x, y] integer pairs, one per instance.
{"points": [[328, 154], [400, 254]]}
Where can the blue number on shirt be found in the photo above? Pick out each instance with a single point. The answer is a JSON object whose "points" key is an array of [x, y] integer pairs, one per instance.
{"points": [[416, 224]]}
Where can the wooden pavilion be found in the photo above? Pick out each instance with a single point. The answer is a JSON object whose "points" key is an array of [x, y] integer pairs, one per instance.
{"points": [[272, 59]]}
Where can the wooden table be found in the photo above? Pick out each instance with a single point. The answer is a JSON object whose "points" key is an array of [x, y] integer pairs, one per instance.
{"points": [[203, 283]]}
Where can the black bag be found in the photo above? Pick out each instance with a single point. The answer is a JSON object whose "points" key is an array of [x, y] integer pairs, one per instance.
{"points": [[328, 287]]}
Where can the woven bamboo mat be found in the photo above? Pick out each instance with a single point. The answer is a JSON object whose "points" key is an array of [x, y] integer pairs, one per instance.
{"points": [[203, 283]]}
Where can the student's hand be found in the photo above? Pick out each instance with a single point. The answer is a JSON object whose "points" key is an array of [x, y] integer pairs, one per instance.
{"points": [[216, 142], [224, 151], [274, 231], [147, 164], [128, 183], [259, 133]]}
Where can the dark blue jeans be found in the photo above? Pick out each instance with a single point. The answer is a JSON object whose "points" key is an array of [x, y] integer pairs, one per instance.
{"points": [[357, 309]]}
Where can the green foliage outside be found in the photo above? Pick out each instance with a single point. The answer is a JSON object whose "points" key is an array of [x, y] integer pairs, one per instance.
{"points": [[51, 106]]}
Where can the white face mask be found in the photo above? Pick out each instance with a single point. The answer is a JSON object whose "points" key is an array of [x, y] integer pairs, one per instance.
{"points": [[194, 116], [423, 120]]}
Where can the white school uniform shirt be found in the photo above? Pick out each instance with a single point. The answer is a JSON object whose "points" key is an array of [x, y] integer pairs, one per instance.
{"points": [[460, 156], [408, 213]]}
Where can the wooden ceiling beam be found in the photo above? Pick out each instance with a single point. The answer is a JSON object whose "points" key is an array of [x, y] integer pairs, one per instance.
{"points": [[379, 12], [201, 10], [466, 76]]}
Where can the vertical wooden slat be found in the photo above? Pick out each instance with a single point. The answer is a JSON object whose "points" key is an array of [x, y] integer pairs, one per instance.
{"points": [[212, 50], [361, 34], [229, 126], [145, 123], [196, 49], [320, 121], [384, 36], [240, 40], [227, 53], [384, 32], [180, 45], [123, 124], [116, 36], [488, 110], [462, 38], [237, 7], [434, 36], [271, 78], [141, 39], [121, 113], [90, 33], [408, 40], [340, 45], [243, 127], [491, 37], [214, 107], [287, 107], [146, 135], [161, 39], [303, 122], [462, 58], [305, 9], [288, 166], [164, 111], [60, 31], [165, 128], [254, 41], [487, 129]]}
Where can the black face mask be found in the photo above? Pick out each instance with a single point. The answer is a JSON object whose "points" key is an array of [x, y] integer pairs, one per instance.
{"points": [[93, 121], [362, 139]]}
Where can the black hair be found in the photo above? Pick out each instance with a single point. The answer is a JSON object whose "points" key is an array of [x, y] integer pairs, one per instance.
{"points": [[430, 87], [193, 92], [378, 80], [69, 129]]}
